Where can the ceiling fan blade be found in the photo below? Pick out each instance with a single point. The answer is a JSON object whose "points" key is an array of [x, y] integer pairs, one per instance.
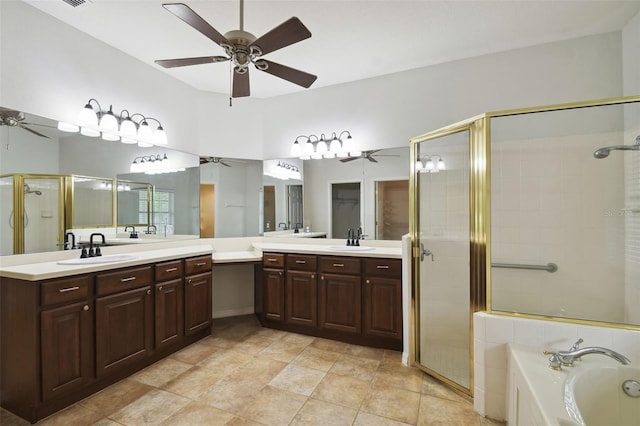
{"points": [[293, 75], [224, 164], [185, 13], [240, 84], [345, 160], [33, 131], [183, 62], [373, 160], [285, 34]]}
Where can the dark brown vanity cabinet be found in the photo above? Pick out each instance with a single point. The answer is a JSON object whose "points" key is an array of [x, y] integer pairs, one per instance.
{"points": [[383, 298], [340, 297], [124, 318], [65, 338], [197, 290], [353, 299], [169, 303], [273, 286], [301, 291]]}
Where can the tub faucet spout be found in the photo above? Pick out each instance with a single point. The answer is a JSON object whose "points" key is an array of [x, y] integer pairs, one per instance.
{"points": [[568, 357]]}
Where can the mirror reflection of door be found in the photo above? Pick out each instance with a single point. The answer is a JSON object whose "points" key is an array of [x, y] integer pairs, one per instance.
{"points": [[294, 207], [392, 209], [345, 208], [269, 208], [207, 209], [41, 220]]}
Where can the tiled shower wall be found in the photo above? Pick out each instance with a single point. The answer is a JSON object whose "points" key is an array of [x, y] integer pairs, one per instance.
{"points": [[631, 214], [552, 201]]}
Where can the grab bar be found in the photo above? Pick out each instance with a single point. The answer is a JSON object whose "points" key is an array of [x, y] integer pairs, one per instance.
{"points": [[549, 267]]}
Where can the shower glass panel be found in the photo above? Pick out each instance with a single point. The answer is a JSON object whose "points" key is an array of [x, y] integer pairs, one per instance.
{"points": [[6, 215], [444, 310], [42, 220]]}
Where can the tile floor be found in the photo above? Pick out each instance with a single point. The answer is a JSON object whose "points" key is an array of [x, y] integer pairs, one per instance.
{"points": [[247, 375]]}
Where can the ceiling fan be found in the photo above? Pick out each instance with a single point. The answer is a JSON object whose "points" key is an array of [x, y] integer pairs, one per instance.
{"points": [[243, 48], [13, 118], [368, 155], [214, 160]]}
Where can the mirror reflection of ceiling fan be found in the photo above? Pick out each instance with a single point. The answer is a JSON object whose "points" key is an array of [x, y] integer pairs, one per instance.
{"points": [[243, 48], [368, 155], [214, 160], [13, 118]]}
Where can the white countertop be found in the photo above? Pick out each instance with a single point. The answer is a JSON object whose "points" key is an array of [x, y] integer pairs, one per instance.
{"points": [[326, 249], [236, 257], [46, 270]]}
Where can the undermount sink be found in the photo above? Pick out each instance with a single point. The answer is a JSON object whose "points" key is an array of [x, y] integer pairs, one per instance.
{"points": [[98, 259], [351, 248]]}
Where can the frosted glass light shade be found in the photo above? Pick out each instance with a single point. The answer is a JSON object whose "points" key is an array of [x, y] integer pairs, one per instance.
{"points": [[87, 117], [335, 146], [110, 136], [159, 137], [296, 149], [145, 134], [67, 127], [109, 122], [128, 129], [92, 133], [321, 147]]}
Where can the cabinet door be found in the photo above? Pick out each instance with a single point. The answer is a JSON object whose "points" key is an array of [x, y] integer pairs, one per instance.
{"points": [[273, 294], [124, 329], [169, 312], [340, 302], [301, 298], [67, 348], [383, 307], [197, 303]]}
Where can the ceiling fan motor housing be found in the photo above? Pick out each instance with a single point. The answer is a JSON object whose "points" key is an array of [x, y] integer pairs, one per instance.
{"points": [[240, 52]]}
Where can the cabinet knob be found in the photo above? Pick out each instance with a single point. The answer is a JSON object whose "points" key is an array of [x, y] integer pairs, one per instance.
{"points": [[322, 277], [148, 291], [160, 288], [368, 282], [313, 275], [279, 273], [85, 308]]}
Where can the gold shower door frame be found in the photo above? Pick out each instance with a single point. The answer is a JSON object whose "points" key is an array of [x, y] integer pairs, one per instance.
{"points": [[477, 127]]}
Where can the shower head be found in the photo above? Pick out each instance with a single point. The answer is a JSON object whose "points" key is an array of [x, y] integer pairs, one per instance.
{"points": [[604, 152], [28, 190]]}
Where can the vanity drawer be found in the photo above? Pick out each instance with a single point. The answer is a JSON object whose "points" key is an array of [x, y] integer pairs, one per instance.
{"points": [[124, 279], [166, 271], [65, 290], [340, 265], [383, 267], [273, 260], [300, 262], [196, 265]]}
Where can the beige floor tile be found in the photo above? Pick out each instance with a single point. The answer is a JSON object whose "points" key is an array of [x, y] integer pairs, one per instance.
{"points": [[397, 404], [194, 353], [252, 344], [239, 421], [115, 397], [356, 367], [224, 362], [260, 369], [368, 419], [329, 345], [364, 352], [9, 419], [316, 412], [151, 409], [197, 413], [231, 393], [405, 378], [161, 372], [193, 382], [74, 415], [106, 422], [316, 359], [294, 378], [283, 351], [437, 411], [342, 390], [298, 339], [273, 407], [433, 387], [269, 333]]}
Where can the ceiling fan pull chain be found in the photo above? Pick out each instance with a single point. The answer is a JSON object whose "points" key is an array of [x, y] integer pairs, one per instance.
{"points": [[230, 84]]}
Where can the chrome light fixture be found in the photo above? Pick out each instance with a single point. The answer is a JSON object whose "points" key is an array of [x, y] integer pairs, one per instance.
{"points": [[431, 163], [93, 122], [153, 164], [313, 147]]}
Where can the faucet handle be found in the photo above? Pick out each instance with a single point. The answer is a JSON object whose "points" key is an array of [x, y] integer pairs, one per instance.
{"points": [[576, 345], [555, 363]]}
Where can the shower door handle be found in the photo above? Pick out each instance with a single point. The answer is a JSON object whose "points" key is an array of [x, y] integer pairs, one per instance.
{"points": [[425, 252]]}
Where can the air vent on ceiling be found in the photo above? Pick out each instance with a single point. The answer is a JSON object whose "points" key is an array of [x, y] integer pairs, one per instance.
{"points": [[76, 3]]}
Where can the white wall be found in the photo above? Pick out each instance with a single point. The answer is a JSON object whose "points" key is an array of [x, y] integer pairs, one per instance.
{"points": [[52, 72]]}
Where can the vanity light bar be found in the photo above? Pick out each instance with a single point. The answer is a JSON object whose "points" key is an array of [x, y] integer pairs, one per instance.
{"points": [[122, 127], [312, 147]]}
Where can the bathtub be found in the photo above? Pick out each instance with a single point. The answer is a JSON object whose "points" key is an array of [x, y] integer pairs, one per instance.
{"points": [[588, 394]]}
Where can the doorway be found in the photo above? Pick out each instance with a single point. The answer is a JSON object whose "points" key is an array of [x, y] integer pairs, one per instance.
{"points": [[207, 210], [269, 203], [392, 209], [294, 207], [345, 208]]}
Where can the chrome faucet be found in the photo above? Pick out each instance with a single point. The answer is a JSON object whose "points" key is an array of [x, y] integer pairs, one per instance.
{"points": [[567, 358], [149, 227], [133, 233]]}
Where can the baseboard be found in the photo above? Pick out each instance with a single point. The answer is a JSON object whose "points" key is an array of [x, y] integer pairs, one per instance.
{"points": [[233, 312]]}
